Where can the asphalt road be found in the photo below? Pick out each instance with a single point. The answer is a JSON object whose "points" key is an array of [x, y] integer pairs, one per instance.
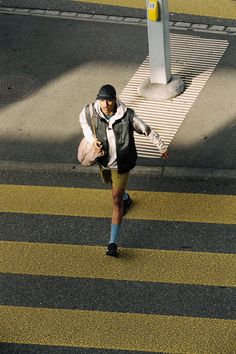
{"points": [[106, 296], [67, 63], [172, 289]]}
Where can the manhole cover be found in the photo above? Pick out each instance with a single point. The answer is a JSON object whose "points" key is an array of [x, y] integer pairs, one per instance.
{"points": [[16, 87]]}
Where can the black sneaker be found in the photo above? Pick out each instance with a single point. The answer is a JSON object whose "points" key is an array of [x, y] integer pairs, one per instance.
{"points": [[112, 250], [126, 204]]}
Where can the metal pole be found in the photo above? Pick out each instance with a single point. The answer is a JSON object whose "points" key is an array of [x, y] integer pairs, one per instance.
{"points": [[159, 45]]}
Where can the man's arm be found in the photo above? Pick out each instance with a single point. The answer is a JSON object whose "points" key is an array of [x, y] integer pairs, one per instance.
{"points": [[142, 128]]}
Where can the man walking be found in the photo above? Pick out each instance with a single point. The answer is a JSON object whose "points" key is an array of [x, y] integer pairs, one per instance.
{"points": [[115, 124]]}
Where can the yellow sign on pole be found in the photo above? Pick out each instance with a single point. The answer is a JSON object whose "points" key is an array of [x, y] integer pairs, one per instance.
{"points": [[153, 11]]}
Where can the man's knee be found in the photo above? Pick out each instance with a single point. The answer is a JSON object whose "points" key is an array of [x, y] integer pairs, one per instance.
{"points": [[117, 199]]}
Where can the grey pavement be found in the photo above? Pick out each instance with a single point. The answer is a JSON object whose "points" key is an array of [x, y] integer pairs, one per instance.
{"points": [[66, 61]]}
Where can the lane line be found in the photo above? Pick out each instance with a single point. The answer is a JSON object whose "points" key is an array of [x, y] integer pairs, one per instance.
{"points": [[110, 330], [148, 265], [166, 206]]}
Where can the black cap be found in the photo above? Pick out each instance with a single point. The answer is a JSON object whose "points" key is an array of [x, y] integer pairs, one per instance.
{"points": [[106, 92]]}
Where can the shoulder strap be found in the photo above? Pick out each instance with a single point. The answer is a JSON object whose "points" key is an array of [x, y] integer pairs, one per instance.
{"points": [[89, 111]]}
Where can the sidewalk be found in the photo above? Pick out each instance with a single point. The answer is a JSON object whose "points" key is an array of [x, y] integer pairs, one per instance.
{"points": [[65, 62]]}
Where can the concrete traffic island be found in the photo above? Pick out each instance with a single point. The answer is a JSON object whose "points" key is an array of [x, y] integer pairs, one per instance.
{"points": [[161, 92]]}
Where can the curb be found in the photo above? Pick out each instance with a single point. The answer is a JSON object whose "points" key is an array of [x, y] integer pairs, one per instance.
{"points": [[186, 26], [156, 171]]}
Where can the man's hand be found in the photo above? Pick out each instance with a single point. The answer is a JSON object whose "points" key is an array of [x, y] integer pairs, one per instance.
{"points": [[165, 155], [97, 145]]}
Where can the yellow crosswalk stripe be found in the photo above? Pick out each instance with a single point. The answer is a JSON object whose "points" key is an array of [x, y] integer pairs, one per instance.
{"points": [[135, 4], [135, 264], [212, 8], [114, 330], [219, 8], [97, 203], [125, 331]]}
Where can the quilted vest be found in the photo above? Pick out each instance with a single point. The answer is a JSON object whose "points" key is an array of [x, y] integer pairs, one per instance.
{"points": [[124, 137]]}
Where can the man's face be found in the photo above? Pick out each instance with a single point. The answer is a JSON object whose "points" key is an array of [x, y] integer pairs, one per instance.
{"points": [[107, 106]]}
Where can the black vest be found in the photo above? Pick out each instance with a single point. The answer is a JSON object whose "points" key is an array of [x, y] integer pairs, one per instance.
{"points": [[124, 138]]}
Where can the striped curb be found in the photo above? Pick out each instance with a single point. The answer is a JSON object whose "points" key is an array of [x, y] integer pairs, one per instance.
{"points": [[197, 27]]}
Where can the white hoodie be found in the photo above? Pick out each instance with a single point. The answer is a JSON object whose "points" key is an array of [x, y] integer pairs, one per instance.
{"points": [[139, 126]]}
